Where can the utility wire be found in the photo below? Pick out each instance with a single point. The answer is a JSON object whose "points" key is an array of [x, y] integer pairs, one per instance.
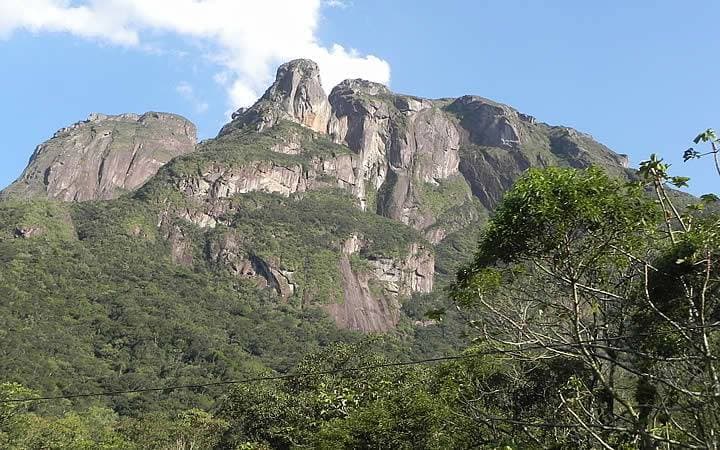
{"points": [[249, 380], [336, 371]]}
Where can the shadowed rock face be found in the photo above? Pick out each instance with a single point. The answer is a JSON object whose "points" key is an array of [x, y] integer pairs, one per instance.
{"points": [[103, 156]]}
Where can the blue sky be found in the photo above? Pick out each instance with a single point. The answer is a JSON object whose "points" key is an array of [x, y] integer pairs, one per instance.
{"points": [[639, 76]]}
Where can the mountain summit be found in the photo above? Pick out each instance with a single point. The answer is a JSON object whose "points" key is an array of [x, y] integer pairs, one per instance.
{"points": [[104, 156], [404, 148]]}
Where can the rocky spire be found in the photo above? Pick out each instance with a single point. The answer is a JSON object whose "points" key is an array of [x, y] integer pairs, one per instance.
{"points": [[296, 95]]}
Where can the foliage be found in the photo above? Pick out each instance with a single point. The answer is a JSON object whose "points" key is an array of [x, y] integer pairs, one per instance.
{"points": [[588, 314], [444, 195], [247, 145], [109, 310], [577, 265]]}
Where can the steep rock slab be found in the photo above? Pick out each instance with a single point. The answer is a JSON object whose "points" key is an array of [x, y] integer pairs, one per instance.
{"points": [[371, 294], [359, 309], [400, 141], [103, 156]]}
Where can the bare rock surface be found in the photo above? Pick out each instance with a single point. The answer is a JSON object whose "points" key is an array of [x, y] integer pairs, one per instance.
{"points": [[103, 156], [360, 310], [378, 310]]}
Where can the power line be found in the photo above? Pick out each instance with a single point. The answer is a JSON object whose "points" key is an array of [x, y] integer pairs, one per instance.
{"points": [[341, 370], [249, 380]]}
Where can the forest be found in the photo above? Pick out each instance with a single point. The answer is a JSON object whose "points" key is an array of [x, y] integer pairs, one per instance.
{"points": [[590, 308]]}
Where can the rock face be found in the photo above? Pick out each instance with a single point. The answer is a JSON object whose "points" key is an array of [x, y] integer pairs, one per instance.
{"points": [[405, 145], [401, 142], [414, 273], [436, 166], [230, 253], [360, 310], [264, 176], [103, 156], [377, 310], [487, 123]]}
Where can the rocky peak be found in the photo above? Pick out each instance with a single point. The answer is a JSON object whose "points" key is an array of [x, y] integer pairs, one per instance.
{"points": [[410, 151], [296, 95], [360, 86], [104, 156]]}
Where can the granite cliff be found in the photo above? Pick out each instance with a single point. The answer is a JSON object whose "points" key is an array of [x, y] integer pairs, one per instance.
{"points": [[408, 151], [104, 156]]}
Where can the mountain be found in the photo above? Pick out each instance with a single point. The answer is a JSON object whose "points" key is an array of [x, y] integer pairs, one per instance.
{"points": [[104, 156], [132, 256], [408, 151]]}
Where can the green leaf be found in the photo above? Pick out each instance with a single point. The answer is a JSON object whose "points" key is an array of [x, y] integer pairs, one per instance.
{"points": [[705, 136], [680, 181]]}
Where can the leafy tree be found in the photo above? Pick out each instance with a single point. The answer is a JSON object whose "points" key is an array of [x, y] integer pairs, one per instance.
{"points": [[580, 267]]}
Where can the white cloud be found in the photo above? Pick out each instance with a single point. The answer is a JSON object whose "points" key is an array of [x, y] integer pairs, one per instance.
{"points": [[185, 89], [187, 92], [249, 37], [342, 4]]}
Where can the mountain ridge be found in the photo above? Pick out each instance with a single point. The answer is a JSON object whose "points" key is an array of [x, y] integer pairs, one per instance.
{"points": [[434, 169]]}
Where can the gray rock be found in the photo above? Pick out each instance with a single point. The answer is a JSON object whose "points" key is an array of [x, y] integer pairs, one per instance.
{"points": [[103, 156], [488, 123]]}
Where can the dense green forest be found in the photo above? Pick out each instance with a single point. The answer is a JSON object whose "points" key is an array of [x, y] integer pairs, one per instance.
{"points": [[586, 317]]}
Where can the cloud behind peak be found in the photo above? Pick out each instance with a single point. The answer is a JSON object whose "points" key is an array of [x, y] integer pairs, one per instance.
{"points": [[249, 38]]}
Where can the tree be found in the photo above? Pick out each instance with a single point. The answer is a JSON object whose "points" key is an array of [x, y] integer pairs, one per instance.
{"points": [[579, 267]]}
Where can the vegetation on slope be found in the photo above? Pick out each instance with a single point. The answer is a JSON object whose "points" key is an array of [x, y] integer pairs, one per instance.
{"points": [[561, 257]]}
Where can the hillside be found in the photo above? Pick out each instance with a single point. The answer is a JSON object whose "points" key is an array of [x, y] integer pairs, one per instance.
{"points": [[133, 258]]}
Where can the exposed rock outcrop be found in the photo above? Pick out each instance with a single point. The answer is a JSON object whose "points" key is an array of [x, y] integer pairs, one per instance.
{"points": [[220, 181], [181, 246], [487, 123], [414, 273], [400, 140], [264, 176], [296, 95], [229, 252], [103, 156], [377, 309], [360, 310]]}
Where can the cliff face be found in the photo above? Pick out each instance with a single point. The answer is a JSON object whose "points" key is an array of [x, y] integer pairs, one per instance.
{"points": [[103, 156], [342, 201], [415, 160], [371, 293]]}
